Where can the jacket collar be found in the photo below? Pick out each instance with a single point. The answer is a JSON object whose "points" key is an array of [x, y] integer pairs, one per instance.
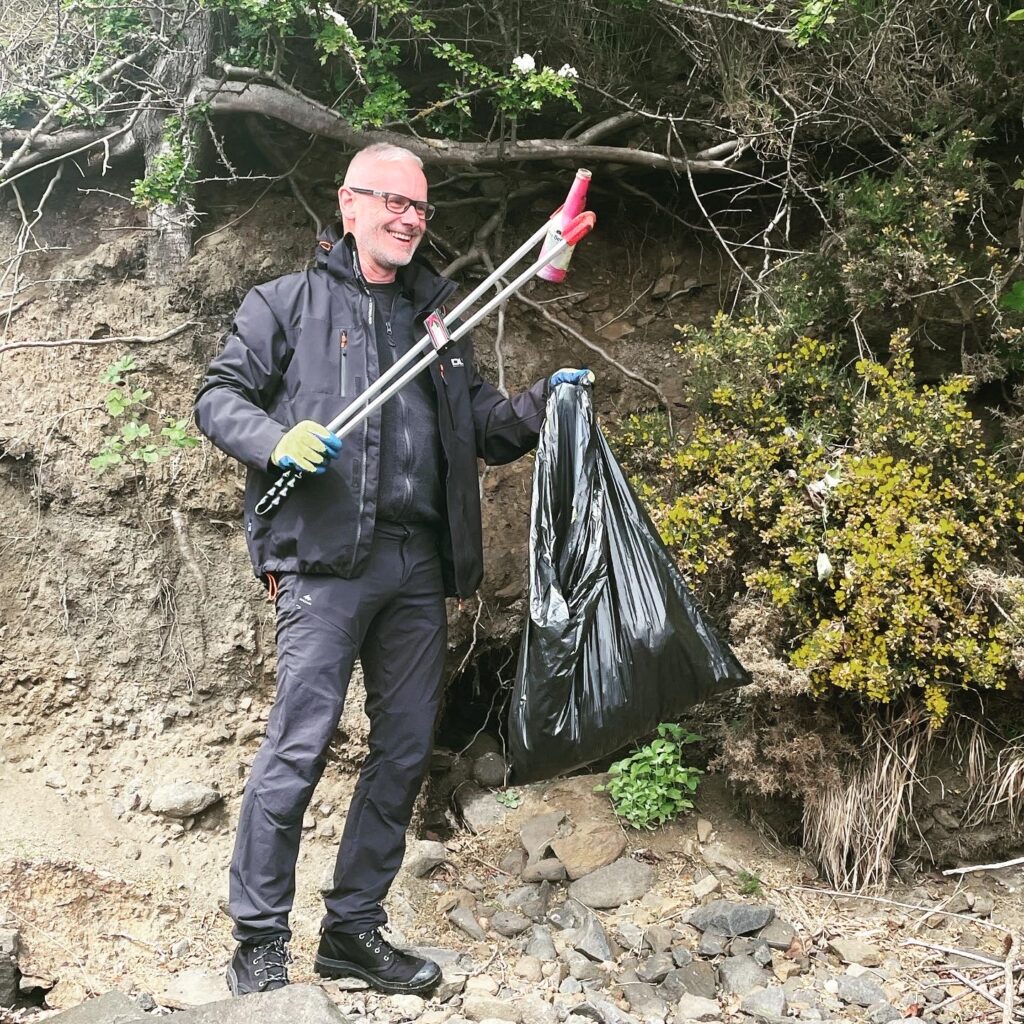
{"points": [[336, 253]]}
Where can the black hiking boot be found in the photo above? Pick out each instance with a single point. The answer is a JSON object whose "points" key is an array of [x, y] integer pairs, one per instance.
{"points": [[371, 957], [260, 966]]}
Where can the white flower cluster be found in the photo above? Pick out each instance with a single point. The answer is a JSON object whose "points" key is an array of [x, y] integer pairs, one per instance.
{"points": [[337, 18], [524, 64], [567, 71]]}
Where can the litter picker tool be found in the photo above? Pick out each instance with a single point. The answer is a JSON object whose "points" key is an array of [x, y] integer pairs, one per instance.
{"points": [[440, 335]]}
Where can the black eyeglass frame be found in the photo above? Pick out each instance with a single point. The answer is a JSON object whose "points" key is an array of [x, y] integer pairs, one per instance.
{"points": [[423, 208]]}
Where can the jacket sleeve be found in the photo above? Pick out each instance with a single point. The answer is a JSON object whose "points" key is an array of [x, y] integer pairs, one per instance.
{"points": [[506, 428], [241, 382]]}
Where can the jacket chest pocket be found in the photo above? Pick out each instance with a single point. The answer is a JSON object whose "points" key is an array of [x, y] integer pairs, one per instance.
{"points": [[327, 358]]}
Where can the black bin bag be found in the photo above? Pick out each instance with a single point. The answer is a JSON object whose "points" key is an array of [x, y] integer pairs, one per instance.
{"points": [[614, 642]]}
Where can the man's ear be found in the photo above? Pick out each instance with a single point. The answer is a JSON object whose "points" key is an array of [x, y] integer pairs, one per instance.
{"points": [[346, 203]]}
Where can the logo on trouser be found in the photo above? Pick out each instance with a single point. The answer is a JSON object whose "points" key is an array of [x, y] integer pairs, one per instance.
{"points": [[306, 599]]}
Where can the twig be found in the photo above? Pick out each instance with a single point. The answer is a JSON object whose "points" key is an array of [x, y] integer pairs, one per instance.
{"points": [[127, 339], [970, 955], [985, 867], [594, 347], [185, 548], [963, 979], [1008, 969]]}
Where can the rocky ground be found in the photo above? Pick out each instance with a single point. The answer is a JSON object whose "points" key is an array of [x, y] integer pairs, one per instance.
{"points": [[542, 909]]}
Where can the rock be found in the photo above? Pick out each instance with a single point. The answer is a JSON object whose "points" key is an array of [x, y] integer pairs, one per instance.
{"points": [[422, 856], [616, 330], [581, 967], [189, 988], [691, 1007], [550, 869], [658, 938], [506, 923], [945, 817], [465, 920], [9, 942], [570, 987], [853, 951], [778, 934], [489, 770], [696, 979], [541, 945], [765, 1003], [452, 983], [66, 993], [479, 810], [664, 286], [183, 799], [531, 900], [681, 956], [862, 991], [592, 845], [883, 1013], [731, 918], [529, 968], [569, 914], [110, 1008], [644, 1000], [712, 943], [513, 862], [704, 830], [718, 857], [482, 985], [655, 968], [294, 1004], [180, 948], [481, 1007], [615, 884], [705, 887], [538, 833], [55, 780], [741, 974], [409, 1006], [592, 940], [983, 904]]}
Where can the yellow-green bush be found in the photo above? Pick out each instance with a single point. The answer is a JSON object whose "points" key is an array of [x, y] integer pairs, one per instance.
{"points": [[856, 504]]}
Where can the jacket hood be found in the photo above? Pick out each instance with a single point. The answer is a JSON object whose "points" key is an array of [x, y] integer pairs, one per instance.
{"points": [[336, 253]]}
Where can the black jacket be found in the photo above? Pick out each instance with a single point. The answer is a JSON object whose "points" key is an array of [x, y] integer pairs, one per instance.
{"points": [[282, 362]]}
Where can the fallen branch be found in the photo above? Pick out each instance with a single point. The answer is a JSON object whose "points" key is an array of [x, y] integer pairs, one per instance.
{"points": [[952, 950], [133, 339], [985, 867]]}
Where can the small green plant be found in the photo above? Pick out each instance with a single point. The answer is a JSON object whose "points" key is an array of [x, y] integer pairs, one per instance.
{"points": [[654, 785], [509, 798], [750, 884], [134, 440]]}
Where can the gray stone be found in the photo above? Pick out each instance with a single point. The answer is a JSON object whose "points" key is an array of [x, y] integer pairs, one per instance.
{"points": [[765, 1003], [656, 968], [8, 982], [531, 900], [481, 1007], [712, 943], [861, 991], [731, 918], [509, 924], [294, 1004], [550, 869], [453, 981], [183, 799], [538, 832], [592, 845], [541, 944], [592, 940], [630, 935], [479, 810], [9, 939], [614, 884], [581, 967], [691, 1007], [718, 858], [422, 856], [110, 1008], [489, 770], [659, 938], [697, 979], [741, 974], [681, 956], [853, 951], [664, 286], [570, 986], [643, 999], [778, 934], [705, 887], [569, 914], [883, 1013], [465, 920]]}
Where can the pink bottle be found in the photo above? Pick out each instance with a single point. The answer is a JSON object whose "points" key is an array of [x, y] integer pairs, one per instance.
{"points": [[573, 206]]}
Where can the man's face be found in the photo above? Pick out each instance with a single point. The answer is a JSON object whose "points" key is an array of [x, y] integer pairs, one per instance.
{"points": [[385, 240]]}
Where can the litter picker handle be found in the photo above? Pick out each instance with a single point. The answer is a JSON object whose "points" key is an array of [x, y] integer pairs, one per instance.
{"points": [[433, 344]]}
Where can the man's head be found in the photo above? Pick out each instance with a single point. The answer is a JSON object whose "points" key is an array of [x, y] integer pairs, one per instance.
{"points": [[385, 240]]}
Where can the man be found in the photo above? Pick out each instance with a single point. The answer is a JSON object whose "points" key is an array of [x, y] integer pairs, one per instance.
{"points": [[360, 557]]}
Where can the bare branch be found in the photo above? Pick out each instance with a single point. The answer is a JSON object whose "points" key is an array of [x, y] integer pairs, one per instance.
{"points": [[133, 339]]}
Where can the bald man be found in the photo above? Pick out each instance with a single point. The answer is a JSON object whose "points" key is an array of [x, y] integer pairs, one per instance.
{"points": [[360, 558]]}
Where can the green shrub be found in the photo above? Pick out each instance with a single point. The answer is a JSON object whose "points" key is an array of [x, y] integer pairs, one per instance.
{"points": [[654, 785]]}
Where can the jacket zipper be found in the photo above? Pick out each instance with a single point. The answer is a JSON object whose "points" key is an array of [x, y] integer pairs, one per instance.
{"points": [[343, 342]]}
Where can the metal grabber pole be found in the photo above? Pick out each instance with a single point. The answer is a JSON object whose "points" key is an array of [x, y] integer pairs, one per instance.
{"points": [[433, 343]]}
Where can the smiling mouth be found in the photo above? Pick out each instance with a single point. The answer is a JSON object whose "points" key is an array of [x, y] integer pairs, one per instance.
{"points": [[400, 236]]}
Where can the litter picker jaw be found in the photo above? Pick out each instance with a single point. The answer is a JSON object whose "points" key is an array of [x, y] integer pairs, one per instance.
{"points": [[440, 335]]}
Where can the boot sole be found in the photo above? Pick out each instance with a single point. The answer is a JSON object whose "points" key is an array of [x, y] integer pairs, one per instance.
{"points": [[328, 968], [232, 979]]}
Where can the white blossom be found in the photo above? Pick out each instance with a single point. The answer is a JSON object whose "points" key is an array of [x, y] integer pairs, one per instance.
{"points": [[337, 18], [567, 71], [524, 64]]}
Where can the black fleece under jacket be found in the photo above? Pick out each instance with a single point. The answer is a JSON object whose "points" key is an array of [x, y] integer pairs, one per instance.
{"points": [[303, 347]]}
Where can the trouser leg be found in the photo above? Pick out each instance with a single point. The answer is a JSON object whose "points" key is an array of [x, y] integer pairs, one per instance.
{"points": [[320, 620], [403, 660]]}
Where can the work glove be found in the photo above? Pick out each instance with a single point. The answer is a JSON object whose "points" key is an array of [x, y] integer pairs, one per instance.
{"points": [[307, 447], [570, 376]]}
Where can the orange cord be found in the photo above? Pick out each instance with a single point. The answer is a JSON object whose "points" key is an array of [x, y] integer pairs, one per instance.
{"points": [[272, 587]]}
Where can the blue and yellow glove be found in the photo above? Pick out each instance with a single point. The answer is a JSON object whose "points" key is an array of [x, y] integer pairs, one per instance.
{"points": [[570, 376], [307, 447]]}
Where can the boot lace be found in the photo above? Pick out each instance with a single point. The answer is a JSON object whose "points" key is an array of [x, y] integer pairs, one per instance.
{"points": [[375, 941], [271, 960]]}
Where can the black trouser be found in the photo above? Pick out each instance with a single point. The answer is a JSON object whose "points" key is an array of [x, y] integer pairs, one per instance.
{"points": [[393, 617]]}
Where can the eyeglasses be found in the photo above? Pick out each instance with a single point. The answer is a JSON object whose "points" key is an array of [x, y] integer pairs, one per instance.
{"points": [[394, 203]]}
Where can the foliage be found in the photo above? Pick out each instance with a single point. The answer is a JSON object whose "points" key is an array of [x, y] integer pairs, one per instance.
{"points": [[172, 174], [750, 884], [133, 439], [509, 798], [654, 785], [857, 509]]}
